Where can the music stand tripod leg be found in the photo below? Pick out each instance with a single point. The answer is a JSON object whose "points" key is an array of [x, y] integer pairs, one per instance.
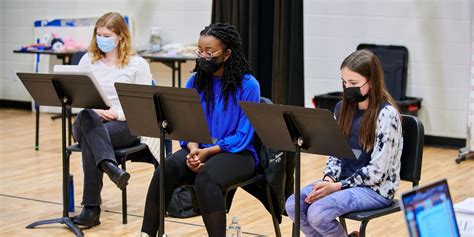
{"points": [[65, 219], [163, 123], [37, 108], [161, 229], [77, 231], [297, 191], [299, 143]]}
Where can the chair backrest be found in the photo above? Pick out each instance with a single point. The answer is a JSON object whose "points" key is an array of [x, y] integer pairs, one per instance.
{"points": [[257, 143], [412, 154], [76, 57]]}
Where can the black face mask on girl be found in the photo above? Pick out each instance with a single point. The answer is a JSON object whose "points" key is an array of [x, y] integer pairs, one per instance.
{"points": [[353, 93], [209, 66]]}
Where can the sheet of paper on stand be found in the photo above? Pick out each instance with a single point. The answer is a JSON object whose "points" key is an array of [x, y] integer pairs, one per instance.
{"points": [[82, 70], [465, 216]]}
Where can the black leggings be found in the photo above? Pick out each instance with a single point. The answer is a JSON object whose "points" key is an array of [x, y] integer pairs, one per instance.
{"points": [[219, 171]]}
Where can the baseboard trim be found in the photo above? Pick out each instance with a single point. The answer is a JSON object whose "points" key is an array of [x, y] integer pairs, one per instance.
{"points": [[444, 141], [13, 104]]}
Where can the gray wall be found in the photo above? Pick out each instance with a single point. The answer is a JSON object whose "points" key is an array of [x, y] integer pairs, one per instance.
{"points": [[470, 117], [179, 21], [437, 34]]}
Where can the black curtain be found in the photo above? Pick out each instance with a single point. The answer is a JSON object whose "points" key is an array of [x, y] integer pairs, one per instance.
{"points": [[272, 37]]}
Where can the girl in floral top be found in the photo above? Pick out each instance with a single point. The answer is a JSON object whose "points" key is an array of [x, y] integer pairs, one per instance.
{"points": [[371, 123]]}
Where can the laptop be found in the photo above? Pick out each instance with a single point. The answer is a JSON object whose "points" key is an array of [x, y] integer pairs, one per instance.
{"points": [[429, 211]]}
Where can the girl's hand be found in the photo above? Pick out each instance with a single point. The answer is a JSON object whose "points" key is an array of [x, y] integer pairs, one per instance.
{"points": [[192, 160], [107, 115], [194, 163], [311, 197], [199, 155], [322, 189], [192, 146]]}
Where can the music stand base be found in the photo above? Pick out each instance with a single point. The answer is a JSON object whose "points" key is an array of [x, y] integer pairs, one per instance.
{"points": [[63, 220]]}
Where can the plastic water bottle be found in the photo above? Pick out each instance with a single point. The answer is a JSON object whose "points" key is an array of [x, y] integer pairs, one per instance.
{"points": [[234, 230], [155, 40]]}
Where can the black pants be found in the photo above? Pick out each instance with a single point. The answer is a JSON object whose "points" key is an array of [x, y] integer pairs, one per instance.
{"points": [[219, 171], [98, 141]]}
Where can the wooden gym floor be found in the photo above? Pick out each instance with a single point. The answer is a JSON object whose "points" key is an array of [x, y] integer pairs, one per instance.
{"points": [[30, 188]]}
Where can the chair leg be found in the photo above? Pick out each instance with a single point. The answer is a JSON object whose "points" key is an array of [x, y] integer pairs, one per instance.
{"points": [[228, 197], [276, 225], [124, 196], [363, 226], [343, 223], [68, 154], [225, 202]]}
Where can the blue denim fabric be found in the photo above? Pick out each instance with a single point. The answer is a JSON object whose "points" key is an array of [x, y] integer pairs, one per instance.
{"points": [[319, 218]]}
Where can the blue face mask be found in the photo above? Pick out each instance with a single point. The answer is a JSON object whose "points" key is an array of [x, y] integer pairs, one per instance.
{"points": [[105, 44]]}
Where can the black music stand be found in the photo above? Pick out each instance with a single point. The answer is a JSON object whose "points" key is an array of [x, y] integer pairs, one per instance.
{"points": [[64, 90], [163, 112], [297, 129]]}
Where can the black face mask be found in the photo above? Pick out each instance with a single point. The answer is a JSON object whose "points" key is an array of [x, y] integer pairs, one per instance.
{"points": [[353, 94], [209, 66]]}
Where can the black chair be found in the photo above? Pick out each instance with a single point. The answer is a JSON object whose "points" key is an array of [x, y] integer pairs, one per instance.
{"points": [[76, 57], [122, 155], [257, 179], [410, 170]]}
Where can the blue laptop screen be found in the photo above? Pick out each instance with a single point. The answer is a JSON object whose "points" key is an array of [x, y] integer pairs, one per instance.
{"points": [[429, 211]]}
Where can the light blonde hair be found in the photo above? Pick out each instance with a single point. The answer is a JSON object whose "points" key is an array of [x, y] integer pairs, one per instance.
{"points": [[116, 23]]}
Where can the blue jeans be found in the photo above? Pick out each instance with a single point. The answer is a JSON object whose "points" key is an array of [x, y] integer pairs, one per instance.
{"points": [[319, 217]]}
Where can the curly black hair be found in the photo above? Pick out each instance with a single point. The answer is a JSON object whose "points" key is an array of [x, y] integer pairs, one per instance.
{"points": [[234, 67]]}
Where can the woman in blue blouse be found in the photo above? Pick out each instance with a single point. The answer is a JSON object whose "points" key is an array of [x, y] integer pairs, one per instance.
{"points": [[223, 78]]}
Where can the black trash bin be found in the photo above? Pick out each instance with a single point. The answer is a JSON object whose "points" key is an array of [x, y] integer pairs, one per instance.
{"points": [[327, 101], [409, 105]]}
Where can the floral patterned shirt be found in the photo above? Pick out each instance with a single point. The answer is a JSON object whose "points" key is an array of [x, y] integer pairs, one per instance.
{"points": [[381, 172]]}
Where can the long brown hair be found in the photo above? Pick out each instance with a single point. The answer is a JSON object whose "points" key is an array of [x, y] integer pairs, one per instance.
{"points": [[367, 65], [116, 23]]}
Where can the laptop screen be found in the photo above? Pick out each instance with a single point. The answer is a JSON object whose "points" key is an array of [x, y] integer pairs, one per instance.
{"points": [[429, 211]]}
